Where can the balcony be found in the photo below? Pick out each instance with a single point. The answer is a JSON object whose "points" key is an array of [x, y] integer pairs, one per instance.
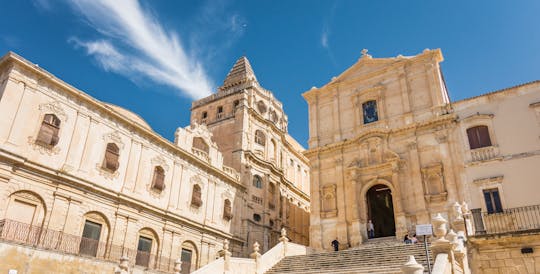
{"points": [[37, 237], [231, 172], [484, 153], [520, 219], [201, 154]]}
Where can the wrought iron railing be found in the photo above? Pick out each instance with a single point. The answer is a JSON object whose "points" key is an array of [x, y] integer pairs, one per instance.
{"points": [[25, 234], [525, 218]]}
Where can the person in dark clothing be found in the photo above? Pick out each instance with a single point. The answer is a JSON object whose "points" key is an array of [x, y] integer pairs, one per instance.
{"points": [[335, 244]]}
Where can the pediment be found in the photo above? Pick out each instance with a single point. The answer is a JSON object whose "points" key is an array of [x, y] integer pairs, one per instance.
{"points": [[364, 66]]}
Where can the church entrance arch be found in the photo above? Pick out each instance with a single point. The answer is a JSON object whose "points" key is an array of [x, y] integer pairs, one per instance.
{"points": [[381, 210]]}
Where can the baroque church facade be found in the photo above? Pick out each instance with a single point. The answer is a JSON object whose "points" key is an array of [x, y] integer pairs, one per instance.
{"points": [[89, 182], [386, 144]]}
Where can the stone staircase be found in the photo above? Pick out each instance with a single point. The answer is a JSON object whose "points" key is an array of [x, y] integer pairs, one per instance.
{"points": [[381, 256]]}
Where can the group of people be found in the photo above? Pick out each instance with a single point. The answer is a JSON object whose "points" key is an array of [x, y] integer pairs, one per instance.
{"points": [[371, 234], [410, 240]]}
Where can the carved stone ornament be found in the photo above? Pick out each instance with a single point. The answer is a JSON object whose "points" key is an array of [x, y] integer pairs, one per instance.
{"points": [[106, 173], [373, 152], [43, 150], [114, 137], [54, 108], [160, 161]]}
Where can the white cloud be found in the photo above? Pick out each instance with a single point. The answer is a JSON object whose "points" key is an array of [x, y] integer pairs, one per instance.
{"points": [[324, 39], [136, 44]]}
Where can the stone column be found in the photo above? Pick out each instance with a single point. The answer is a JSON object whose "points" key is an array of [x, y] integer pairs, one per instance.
{"points": [[341, 227]]}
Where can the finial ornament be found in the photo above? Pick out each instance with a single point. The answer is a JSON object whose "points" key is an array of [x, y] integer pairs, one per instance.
{"points": [[365, 54], [283, 237], [226, 245]]}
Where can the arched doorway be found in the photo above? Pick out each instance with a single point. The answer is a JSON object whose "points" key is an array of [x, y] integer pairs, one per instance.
{"points": [[381, 210]]}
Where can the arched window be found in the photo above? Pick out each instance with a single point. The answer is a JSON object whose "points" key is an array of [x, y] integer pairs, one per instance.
{"points": [[478, 137], [369, 110], [196, 200], [227, 210], [48, 133], [200, 144], [260, 138], [257, 181], [158, 181], [112, 153]]}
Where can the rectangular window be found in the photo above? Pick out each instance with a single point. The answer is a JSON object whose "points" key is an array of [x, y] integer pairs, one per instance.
{"points": [[493, 200], [90, 239], [220, 112], [143, 251]]}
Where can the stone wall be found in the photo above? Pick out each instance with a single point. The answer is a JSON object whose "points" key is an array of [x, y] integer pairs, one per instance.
{"points": [[502, 253], [26, 260]]}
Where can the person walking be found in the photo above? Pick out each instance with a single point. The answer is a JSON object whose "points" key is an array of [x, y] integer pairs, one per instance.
{"points": [[335, 244], [371, 230]]}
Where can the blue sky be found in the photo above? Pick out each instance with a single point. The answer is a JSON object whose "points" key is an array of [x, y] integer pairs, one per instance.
{"points": [[154, 57]]}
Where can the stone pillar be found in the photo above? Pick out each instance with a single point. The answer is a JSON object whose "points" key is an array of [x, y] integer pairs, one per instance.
{"points": [[257, 257], [177, 266], [284, 240], [422, 217], [123, 266], [412, 267], [441, 244], [226, 256]]}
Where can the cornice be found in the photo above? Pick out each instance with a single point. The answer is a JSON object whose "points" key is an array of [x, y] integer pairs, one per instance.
{"points": [[100, 106], [442, 120]]}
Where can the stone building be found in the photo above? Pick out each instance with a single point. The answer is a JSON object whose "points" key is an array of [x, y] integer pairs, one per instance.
{"points": [[89, 182], [387, 145], [250, 127]]}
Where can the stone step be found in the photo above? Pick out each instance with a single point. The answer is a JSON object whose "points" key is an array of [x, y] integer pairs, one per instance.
{"points": [[373, 257]]}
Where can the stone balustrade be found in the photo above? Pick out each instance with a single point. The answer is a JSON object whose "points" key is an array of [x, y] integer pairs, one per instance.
{"points": [[231, 172], [201, 154], [484, 153]]}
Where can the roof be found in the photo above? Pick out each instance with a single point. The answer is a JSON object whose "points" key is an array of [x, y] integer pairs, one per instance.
{"points": [[241, 72]]}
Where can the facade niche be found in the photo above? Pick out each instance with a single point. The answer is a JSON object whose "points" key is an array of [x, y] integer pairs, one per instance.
{"points": [[434, 186], [329, 203], [49, 130]]}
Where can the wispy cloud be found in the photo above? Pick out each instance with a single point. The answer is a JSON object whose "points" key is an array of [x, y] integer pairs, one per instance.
{"points": [[134, 43], [324, 38]]}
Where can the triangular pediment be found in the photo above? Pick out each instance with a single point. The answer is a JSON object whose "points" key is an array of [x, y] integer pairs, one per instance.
{"points": [[365, 66]]}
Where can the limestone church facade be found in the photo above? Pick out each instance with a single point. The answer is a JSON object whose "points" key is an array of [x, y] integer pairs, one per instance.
{"points": [[386, 144]]}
